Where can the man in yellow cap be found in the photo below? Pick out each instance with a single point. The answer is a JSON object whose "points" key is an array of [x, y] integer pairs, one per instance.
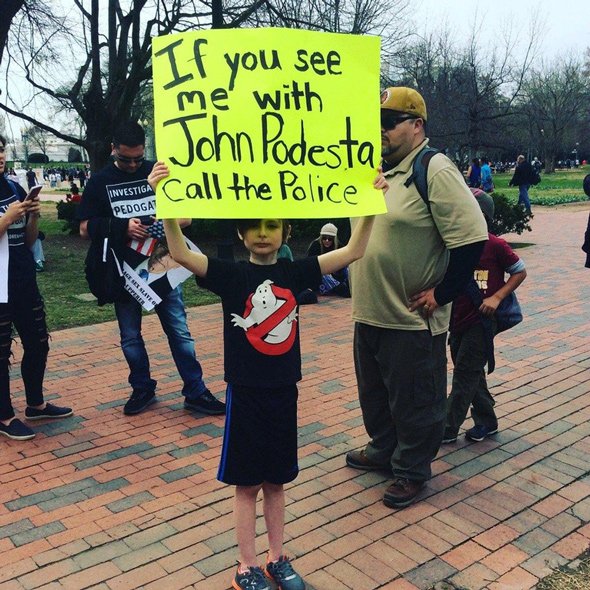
{"points": [[420, 256]]}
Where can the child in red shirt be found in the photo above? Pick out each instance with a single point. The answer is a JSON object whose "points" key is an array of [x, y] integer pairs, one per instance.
{"points": [[468, 337]]}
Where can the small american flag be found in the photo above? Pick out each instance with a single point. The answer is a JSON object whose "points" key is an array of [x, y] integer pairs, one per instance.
{"points": [[145, 247], [156, 230]]}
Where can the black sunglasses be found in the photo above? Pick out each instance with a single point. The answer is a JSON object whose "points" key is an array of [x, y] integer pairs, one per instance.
{"points": [[390, 120], [331, 238], [126, 160]]}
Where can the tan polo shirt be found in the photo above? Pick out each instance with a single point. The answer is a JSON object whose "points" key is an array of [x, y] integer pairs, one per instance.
{"points": [[408, 248]]}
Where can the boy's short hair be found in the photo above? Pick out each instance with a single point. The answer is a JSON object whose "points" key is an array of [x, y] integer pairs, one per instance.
{"points": [[130, 134], [244, 225]]}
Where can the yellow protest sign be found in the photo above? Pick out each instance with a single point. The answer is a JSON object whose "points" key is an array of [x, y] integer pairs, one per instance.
{"points": [[264, 123]]}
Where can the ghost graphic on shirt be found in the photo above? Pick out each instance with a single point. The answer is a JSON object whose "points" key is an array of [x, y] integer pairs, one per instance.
{"points": [[269, 319]]}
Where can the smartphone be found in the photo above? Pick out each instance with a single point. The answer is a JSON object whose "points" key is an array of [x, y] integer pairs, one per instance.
{"points": [[35, 190]]}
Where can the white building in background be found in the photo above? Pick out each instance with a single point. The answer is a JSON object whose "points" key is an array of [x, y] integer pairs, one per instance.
{"points": [[56, 149]]}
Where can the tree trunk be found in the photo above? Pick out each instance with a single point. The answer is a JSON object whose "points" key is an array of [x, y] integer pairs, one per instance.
{"points": [[549, 162], [9, 10]]}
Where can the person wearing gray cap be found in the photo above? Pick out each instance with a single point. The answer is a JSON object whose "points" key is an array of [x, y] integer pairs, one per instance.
{"points": [[471, 332], [337, 282], [419, 258]]}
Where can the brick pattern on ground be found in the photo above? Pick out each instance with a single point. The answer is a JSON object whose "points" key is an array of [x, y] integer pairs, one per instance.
{"points": [[113, 502]]}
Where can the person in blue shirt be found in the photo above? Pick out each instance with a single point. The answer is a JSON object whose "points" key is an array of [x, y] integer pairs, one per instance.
{"points": [[487, 183]]}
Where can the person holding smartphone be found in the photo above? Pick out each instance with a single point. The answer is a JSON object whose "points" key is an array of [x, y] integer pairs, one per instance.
{"points": [[21, 307], [119, 197]]}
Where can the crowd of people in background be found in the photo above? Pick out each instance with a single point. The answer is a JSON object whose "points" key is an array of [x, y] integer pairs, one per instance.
{"points": [[53, 177]]}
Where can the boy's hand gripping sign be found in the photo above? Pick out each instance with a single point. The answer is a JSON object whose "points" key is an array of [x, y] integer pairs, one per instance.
{"points": [[267, 123]]}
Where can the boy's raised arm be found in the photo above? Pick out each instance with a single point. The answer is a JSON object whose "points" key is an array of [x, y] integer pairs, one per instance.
{"points": [[355, 249], [196, 262]]}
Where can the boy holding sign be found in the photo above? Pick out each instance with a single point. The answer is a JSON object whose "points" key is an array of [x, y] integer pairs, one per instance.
{"points": [[262, 368]]}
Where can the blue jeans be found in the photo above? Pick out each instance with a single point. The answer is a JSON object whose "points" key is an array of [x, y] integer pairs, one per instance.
{"points": [[182, 346], [523, 196]]}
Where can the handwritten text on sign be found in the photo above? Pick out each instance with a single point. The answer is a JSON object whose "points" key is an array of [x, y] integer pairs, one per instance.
{"points": [[267, 123]]}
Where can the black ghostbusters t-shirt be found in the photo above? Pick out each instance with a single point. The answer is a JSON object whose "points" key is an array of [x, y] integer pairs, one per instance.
{"points": [[260, 318], [115, 193]]}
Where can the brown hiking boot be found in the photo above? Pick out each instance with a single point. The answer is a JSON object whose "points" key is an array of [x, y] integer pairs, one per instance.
{"points": [[358, 460], [402, 492]]}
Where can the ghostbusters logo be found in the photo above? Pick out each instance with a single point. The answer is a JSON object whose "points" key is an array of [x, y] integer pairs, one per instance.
{"points": [[270, 319]]}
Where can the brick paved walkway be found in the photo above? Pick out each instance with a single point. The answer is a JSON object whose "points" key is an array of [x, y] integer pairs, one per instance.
{"points": [[112, 502]]}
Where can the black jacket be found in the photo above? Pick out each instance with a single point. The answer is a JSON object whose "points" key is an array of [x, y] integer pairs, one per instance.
{"points": [[523, 174]]}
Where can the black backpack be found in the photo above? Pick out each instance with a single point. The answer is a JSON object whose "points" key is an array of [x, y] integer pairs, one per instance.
{"points": [[535, 176]]}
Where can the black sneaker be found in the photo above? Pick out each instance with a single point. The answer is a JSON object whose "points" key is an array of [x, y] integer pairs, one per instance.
{"points": [[205, 404], [252, 579], [138, 402], [479, 432], [49, 411], [16, 430], [284, 575]]}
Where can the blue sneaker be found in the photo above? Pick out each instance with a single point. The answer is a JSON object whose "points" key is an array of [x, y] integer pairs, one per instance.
{"points": [[251, 579], [284, 575], [16, 430], [479, 432]]}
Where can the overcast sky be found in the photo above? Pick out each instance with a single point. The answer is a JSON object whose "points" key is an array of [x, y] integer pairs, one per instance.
{"points": [[566, 23]]}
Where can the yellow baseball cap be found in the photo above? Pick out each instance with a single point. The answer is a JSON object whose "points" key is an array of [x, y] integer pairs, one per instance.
{"points": [[404, 100]]}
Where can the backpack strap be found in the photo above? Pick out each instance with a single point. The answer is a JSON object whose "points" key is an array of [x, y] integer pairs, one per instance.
{"points": [[419, 174]]}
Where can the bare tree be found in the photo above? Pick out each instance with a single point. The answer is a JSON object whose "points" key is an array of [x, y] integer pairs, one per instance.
{"points": [[9, 10], [105, 61], [15, 12], [39, 138], [470, 90], [556, 98]]}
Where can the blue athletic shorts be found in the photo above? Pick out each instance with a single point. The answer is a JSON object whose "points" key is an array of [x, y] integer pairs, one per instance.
{"points": [[260, 438]]}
